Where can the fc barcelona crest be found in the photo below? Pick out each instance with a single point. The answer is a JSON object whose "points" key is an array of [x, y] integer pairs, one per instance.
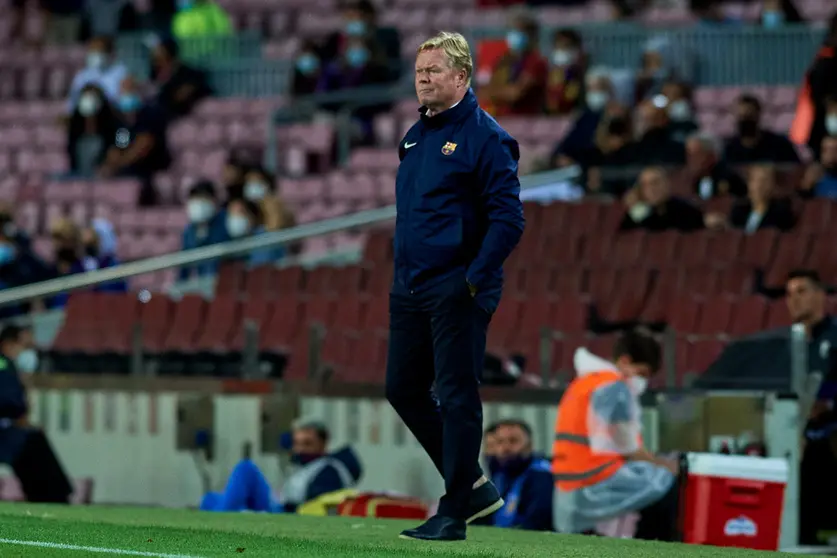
{"points": [[448, 148]]}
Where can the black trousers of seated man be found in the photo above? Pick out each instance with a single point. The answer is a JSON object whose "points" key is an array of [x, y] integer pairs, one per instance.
{"points": [[41, 476], [435, 358]]}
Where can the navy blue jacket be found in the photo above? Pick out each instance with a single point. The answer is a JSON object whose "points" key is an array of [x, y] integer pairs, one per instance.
{"points": [[458, 201], [533, 509], [13, 404]]}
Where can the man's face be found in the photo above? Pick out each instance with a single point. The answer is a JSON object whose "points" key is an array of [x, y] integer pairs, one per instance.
{"points": [[512, 441], [806, 302], [653, 187], [437, 82], [307, 442], [697, 155]]}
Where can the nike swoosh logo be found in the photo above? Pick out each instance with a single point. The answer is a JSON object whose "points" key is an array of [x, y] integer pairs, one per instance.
{"points": [[409, 145]]}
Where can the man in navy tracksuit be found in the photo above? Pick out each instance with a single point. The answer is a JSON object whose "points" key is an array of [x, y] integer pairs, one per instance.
{"points": [[459, 218]]}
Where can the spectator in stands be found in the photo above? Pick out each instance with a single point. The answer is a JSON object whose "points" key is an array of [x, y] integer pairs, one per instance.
{"points": [[201, 19], [244, 218], [307, 70], [22, 446], [91, 131], [761, 209], [102, 70], [259, 184], [99, 251], [754, 144], [66, 246], [712, 176], [565, 81], [710, 12], [822, 79], [18, 264], [776, 13], [523, 479], [680, 110], [579, 145], [820, 179], [656, 144], [159, 17], [179, 86], [360, 21], [518, 81], [318, 472], [63, 20], [662, 61], [207, 226], [613, 161], [110, 17], [140, 147], [652, 207], [356, 67]]}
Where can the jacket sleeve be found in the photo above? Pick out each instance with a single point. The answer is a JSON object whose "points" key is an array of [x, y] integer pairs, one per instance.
{"points": [[497, 174], [13, 403], [536, 502]]}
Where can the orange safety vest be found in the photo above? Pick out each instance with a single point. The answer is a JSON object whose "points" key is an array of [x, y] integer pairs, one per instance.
{"points": [[574, 464]]}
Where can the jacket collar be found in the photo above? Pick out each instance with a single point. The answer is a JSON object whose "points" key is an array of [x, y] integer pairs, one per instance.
{"points": [[457, 112], [587, 363]]}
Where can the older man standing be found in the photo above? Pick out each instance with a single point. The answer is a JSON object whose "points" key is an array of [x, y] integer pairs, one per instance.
{"points": [[459, 218]]}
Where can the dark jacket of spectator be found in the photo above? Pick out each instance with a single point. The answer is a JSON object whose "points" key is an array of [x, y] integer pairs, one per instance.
{"points": [[674, 214], [822, 79], [769, 147], [180, 86], [13, 404], [720, 180], [779, 215]]}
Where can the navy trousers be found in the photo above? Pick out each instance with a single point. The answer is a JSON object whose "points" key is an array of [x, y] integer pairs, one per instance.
{"points": [[434, 363]]}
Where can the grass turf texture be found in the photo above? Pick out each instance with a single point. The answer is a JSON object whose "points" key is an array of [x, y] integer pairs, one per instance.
{"points": [[194, 534]]}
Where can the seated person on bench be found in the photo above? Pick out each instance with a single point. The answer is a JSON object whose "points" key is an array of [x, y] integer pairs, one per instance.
{"points": [[23, 447], [601, 469]]}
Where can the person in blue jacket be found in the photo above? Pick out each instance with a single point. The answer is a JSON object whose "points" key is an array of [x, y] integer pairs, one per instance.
{"points": [[318, 472], [459, 216], [523, 478], [207, 226]]}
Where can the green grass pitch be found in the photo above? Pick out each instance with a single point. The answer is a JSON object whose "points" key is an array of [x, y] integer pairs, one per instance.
{"points": [[29, 530]]}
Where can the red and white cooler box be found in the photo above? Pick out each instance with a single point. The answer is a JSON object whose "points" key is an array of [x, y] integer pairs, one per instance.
{"points": [[734, 500]]}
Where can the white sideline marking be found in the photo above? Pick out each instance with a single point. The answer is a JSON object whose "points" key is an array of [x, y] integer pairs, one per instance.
{"points": [[96, 549]]}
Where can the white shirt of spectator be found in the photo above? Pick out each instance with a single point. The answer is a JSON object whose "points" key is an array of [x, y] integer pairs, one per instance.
{"points": [[831, 124], [107, 78], [753, 222], [705, 187]]}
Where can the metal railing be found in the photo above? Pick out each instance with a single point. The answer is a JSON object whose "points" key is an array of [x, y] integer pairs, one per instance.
{"points": [[235, 247], [733, 55]]}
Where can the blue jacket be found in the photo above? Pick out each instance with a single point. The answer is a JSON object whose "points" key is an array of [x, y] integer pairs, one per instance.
{"points": [[458, 201], [528, 496], [198, 236]]}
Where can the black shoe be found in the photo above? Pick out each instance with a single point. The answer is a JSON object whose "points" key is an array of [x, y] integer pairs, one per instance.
{"points": [[437, 528], [485, 500]]}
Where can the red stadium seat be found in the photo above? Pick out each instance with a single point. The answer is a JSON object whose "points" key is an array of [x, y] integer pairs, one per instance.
{"points": [[188, 317], [750, 316], [222, 319]]}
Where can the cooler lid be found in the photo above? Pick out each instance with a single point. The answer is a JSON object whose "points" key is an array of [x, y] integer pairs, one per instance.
{"points": [[745, 467]]}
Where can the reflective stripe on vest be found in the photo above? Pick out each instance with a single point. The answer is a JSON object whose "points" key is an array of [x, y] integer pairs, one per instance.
{"points": [[574, 463]]}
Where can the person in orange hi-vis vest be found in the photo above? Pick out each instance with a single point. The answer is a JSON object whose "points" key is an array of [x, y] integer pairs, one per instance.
{"points": [[601, 468]]}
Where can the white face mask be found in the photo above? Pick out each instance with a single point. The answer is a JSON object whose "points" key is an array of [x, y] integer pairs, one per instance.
{"points": [[96, 60], [639, 212], [638, 384], [27, 361], [255, 191], [237, 225], [679, 111], [562, 57], [88, 104], [831, 124], [200, 211], [596, 100]]}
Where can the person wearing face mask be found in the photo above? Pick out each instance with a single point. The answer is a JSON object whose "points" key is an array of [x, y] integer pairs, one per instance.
{"points": [[680, 111], [579, 145], [663, 59], [519, 79], [601, 467], [23, 447], [316, 473], [651, 207], [777, 13], [523, 479], [140, 147], [101, 71], [99, 251], [761, 210], [18, 263], [360, 21], [307, 69], [359, 65], [754, 144], [180, 87], [207, 226], [244, 219], [91, 130], [656, 144], [711, 176], [818, 93], [565, 81]]}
